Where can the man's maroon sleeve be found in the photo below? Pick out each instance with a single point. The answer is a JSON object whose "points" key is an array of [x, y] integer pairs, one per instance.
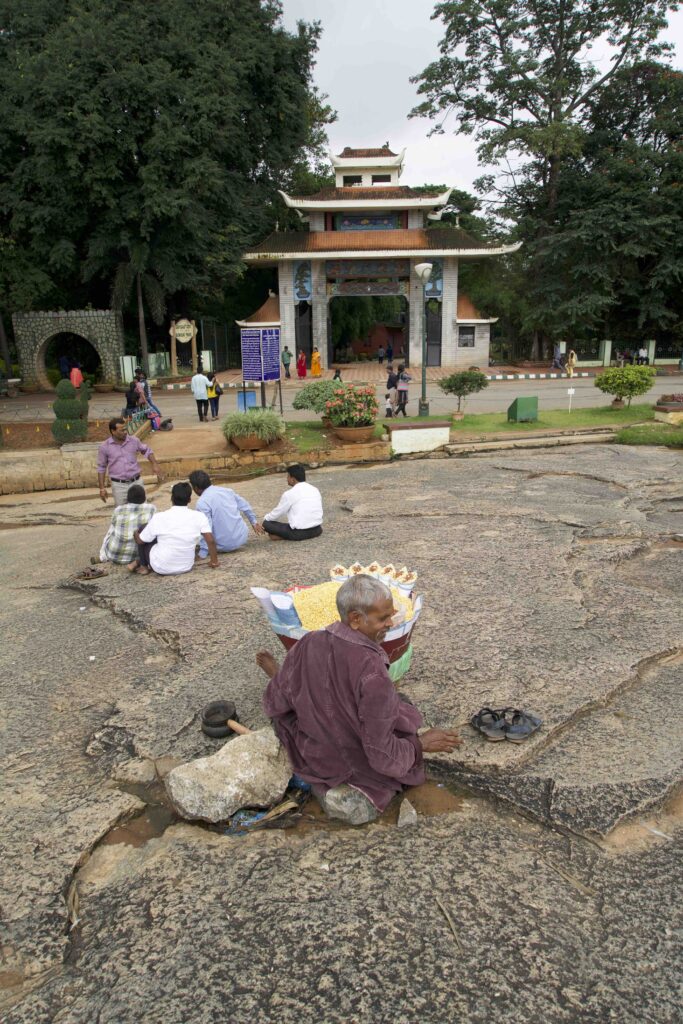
{"points": [[382, 715], [275, 698]]}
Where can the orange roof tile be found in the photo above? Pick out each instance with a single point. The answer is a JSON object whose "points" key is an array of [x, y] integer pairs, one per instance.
{"points": [[268, 313], [281, 242]]}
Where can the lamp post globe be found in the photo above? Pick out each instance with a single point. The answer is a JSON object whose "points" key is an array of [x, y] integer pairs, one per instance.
{"points": [[423, 272]]}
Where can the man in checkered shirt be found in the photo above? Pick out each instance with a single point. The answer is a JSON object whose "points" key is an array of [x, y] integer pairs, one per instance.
{"points": [[119, 544]]}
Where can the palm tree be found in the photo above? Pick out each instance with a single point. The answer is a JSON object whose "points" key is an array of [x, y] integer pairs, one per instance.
{"points": [[140, 267]]}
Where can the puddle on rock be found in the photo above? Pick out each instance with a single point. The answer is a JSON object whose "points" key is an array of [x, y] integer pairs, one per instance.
{"points": [[640, 833], [150, 823]]}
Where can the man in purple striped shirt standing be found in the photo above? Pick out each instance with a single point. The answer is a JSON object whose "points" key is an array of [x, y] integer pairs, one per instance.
{"points": [[119, 456]]}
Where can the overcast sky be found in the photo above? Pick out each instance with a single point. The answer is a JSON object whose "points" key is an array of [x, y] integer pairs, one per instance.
{"points": [[368, 51]]}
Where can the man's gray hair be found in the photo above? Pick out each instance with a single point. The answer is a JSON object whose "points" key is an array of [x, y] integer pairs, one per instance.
{"points": [[360, 594]]}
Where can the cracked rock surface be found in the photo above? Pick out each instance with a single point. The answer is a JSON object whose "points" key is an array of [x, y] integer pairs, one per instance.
{"points": [[552, 582]]}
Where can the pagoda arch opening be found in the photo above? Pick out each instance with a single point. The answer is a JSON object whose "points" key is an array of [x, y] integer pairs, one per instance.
{"points": [[359, 325]]}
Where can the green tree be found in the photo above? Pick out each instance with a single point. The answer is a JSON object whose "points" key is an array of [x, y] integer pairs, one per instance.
{"points": [[626, 382], [145, 141], [519, 75]]}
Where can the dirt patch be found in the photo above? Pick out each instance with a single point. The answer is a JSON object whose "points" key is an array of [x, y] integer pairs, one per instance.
{"points": [[23, 436]]}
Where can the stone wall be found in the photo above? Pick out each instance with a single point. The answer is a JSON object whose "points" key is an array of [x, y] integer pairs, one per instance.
{"points": [[103, 328]]}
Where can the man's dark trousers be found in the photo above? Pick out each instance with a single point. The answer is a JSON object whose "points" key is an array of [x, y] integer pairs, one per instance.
{"points": [[202, 408], [285, 531]]}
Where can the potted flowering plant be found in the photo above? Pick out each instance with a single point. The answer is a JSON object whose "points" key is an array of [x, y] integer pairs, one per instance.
{"points": [[352, 411]]}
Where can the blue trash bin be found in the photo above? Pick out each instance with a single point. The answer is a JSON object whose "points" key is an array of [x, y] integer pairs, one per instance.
{"points": [[248, 397]]}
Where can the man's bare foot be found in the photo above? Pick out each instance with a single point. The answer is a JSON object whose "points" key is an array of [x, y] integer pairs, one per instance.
{"points": [[273, 536], [143, 571], [266, 661], [132, 566]]}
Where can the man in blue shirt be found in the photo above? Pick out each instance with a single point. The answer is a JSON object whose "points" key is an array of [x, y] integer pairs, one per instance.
{"points": [[224, 509]]}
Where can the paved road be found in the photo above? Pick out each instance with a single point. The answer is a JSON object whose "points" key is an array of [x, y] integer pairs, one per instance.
{"points": [[497, 397]]}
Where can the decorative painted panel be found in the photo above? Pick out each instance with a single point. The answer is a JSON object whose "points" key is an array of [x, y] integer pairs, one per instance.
{"points": [[368, 221], [390, 287], [303, 281], [341, 269]]}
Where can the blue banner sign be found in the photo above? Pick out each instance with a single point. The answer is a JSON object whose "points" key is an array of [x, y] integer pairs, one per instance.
{"points": [[260, 353]]}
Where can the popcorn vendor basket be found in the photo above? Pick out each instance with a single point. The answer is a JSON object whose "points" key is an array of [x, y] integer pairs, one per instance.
{"points": [[317, 609]]}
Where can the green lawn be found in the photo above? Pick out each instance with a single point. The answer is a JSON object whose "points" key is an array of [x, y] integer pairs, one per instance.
{"points": [[308, 435], [556, 419], [651, 433]]}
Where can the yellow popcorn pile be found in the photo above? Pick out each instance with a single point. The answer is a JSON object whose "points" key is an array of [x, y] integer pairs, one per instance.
{"points": [[316, 606]]}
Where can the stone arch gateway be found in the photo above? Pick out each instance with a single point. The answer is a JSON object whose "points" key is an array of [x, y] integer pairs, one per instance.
{"points": [[103, 328]]}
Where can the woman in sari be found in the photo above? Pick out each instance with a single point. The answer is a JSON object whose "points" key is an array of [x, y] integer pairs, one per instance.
{"points": [[316, 368], [301, 365]]}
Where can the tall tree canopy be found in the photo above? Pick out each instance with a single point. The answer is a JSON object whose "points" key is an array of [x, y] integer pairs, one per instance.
{"points": [[519, 74], [587, 155], [146, 140]]}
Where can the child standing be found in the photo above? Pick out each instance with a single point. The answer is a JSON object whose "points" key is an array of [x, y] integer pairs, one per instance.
{"points": [[388, 407]]}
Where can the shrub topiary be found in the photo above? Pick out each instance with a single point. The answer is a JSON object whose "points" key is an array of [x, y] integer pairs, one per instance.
{"points": [[466, 382], [626, 381], [71, 413], [314, 395]]}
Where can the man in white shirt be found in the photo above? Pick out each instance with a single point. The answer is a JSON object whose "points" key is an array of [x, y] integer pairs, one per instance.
{"points": [[167, 543], [200, 385], [301, 505]]}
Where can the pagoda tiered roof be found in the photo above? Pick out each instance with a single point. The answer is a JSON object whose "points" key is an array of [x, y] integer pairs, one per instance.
{"points": [[283, 245], [348, 153], [393, 197]]}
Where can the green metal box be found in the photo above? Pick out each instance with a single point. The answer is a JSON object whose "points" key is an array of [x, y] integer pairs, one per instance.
{"points": [[523, 410]]}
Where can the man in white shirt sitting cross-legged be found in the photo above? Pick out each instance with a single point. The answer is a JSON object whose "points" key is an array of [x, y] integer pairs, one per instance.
{"points": [[301, 506]]}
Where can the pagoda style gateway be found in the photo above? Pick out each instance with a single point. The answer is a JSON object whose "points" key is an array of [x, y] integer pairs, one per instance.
{"points": [[365, 237]]}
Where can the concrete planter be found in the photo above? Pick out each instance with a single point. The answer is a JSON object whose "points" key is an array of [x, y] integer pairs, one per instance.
{"points": [[618, 403], [249, 443], [457, 416], [410, 438], [669, 412], [355, 435]]}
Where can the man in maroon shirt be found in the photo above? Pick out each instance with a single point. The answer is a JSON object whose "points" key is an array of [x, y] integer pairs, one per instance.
{"points": [[337, 713]]}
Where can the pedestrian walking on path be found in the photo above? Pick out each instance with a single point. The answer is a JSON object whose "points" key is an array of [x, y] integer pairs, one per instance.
{"points": [[316, 368], [286, 360], [200, 389], [301, 365], [402, 390]]}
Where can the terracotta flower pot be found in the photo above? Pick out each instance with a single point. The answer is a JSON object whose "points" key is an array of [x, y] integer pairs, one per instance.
{"points": [[457, 416], [249, 443], [618, 403], [356, 435]]}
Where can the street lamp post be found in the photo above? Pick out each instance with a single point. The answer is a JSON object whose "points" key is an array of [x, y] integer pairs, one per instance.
{"points": [[424, 272]]}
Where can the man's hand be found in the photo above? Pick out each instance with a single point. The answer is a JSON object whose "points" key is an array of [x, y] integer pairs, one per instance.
{"points": [[257, 528], [436, 741], [214, 563], [103, 494], [160, 477]]}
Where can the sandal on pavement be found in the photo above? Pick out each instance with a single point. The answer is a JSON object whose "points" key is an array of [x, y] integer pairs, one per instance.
{"points": [[490, 723], [520, 725]]}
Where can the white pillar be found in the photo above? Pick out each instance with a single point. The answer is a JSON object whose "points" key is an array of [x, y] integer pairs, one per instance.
{"points": [[285, 276], [415, 312], [449, 312], [319, 310]]}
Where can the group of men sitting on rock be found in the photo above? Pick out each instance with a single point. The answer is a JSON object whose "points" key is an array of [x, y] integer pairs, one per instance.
{"points": [[165, 542]]}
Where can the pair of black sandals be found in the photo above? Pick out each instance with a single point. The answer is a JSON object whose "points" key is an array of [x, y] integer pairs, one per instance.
{"points": [[505, 724]]}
